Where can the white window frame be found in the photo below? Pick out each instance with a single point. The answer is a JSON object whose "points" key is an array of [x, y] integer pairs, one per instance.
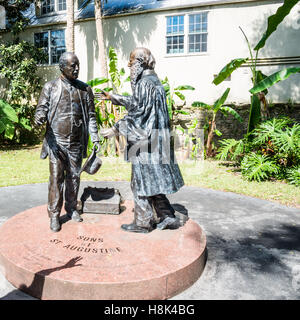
{"points": [[49, 45], [186, 35], [56, 11]]}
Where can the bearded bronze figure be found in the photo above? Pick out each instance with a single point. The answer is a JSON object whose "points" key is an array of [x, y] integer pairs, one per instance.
{"points": [[146, 127], [66, 105]]}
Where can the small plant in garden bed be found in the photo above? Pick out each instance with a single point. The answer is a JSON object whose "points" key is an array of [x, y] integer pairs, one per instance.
{"points": [[211, 128], [272, 153]]}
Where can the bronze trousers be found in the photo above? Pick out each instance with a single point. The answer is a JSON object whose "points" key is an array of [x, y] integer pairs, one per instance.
{"points": [[64, 178]]}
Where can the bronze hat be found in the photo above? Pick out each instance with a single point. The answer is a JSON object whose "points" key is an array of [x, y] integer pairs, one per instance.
{"points": [[92, 164]]}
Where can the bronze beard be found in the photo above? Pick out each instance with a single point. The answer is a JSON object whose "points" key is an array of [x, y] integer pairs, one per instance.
{"points": [[136, 71]]}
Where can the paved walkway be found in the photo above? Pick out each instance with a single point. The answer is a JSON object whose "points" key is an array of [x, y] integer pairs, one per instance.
{"points": [[253, 245]]}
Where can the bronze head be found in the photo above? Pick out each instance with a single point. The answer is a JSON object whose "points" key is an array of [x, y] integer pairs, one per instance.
{"points": [[140, 59], [69, 65]]}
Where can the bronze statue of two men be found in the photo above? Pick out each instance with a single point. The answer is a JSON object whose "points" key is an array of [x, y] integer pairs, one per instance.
{"points": [[67, 106]]}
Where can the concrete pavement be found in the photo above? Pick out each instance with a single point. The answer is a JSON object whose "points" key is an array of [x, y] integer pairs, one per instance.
{"points": [[253, 245]]}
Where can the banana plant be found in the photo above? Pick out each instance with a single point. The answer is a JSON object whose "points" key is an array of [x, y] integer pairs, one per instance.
{"points": [[218, 106], [106, 113], [9, 119], [170, 92], [260, 82]]}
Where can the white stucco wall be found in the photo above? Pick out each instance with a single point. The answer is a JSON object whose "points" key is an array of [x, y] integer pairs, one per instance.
{"points": [[225, 42]]}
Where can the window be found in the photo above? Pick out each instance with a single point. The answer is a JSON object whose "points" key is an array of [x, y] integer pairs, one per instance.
{"points": [[198, 32], [53, 44], [187, 34], [175, 34], [49, 6]]}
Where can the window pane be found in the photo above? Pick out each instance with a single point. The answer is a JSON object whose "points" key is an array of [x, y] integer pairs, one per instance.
{"points": [[41, 41], [175, 44], [62, 5], [175, 25], [58, 46], [80, 3], [198, 22], [48, 6]]}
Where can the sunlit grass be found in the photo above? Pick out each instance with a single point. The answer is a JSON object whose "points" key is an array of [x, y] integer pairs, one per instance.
{"points": [[215, 175], [24, 166]]}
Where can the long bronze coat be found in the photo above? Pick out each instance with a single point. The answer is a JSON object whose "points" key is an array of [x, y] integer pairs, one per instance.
{"points": [[147, 130]]}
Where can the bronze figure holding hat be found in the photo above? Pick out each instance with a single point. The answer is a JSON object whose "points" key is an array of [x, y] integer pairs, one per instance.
{"points": [[66, 105]]}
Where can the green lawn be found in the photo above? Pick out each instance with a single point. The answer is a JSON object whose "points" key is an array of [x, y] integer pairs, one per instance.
{"points": [[24, 166]]}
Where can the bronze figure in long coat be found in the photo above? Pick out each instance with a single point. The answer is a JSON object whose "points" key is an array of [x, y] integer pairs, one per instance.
{"points": [[146, 127]]}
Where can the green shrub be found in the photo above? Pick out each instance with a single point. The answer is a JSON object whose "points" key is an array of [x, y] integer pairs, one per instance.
{"points": [[258, 167], [272, 152], [293, 176]]}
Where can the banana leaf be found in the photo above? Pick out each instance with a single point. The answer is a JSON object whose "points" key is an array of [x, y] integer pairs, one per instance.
{"points": [[259, 77], [228, 69], [254, 115], [218, 103], [228, 110], [274, 78], [218, 132], [2, 126], [7, 111], [25, 124], [198, 104], [180, 95], [122, 72], [181, 112], [275, 20], [9, 130], [185, 87], [95, 82]]}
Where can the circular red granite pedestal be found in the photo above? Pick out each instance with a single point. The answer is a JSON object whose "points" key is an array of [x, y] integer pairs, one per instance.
{"points": [[95, 259]]}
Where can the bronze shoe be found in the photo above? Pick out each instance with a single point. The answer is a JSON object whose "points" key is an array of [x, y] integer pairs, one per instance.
{"points": [[54, 224], [74, 215], [134, 228], [168, 223]]}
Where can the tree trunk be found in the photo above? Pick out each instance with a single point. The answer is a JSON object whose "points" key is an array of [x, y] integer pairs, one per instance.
{"points": [[100, 38], [70, 26], [210, 137]]}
